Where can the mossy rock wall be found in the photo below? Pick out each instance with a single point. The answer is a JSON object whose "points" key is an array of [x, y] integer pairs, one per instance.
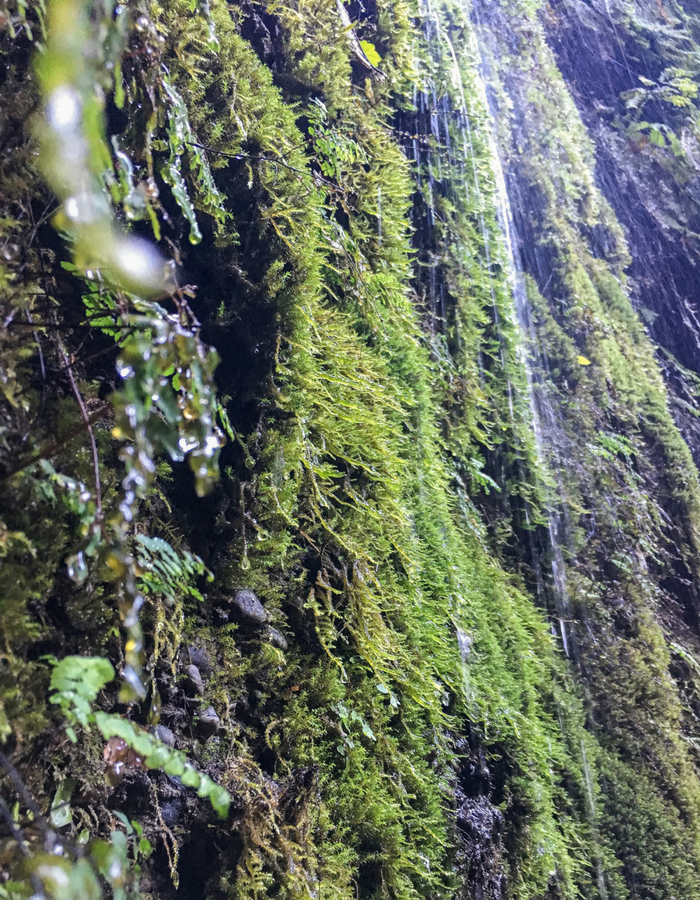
{"points": [[434, 629]]}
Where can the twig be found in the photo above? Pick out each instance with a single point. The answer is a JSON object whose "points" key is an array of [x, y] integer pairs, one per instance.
{"points": [[18, 837], [105, 350], [32, 806], [267, 159], [88, 424], [14, 830], [42, 364], [55, 447], [24, 792]]}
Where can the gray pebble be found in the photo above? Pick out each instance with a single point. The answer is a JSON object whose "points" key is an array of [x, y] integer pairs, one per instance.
{"points": [[200, 658], [171, 811], [221, 617], [195, 679], [278, 639], [208, 723], [165, 735], [247, 609]]}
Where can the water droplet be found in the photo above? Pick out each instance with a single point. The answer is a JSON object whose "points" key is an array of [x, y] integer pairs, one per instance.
{"points": [[139, 261], [115, 870], [77, 567], [72, 208], [63, 109]]}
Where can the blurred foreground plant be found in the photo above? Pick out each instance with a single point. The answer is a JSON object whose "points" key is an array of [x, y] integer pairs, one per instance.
{"points": [[166, 404]]}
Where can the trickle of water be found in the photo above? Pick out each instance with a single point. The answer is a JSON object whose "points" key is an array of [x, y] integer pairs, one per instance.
{"points": [[464, 642], [77, 567], [600, 871], [543, 421], [547, 435]]}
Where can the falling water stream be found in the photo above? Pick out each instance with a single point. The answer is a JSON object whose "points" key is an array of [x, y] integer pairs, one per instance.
{"points": [[544, 425], [531, 356]]}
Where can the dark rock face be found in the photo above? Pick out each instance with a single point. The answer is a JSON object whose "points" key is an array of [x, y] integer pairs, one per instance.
{"points": [[480, 827], [247, 610], [133, 795], [660, 211], [277, 638], [172, 799], [200, 658], [208, 723]]}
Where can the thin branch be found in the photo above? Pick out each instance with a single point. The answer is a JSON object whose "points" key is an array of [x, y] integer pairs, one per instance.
{"points": [[55, 447], [105, 350], [42, 363], [15, 831], [267, 159], [64, 326], [88, 424], [24, 792], [19, 839]]}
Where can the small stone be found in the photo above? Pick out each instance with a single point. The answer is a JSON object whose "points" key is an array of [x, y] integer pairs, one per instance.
{"points": [[221, 617], [208, 723], [165, 735], [278, 639], [195, 679], [200, 658], [171, 811], [248, 610]]}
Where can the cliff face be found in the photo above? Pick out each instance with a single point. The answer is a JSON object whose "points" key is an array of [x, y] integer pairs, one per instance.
{"points": [[599, 147], [395, 594], [635, 47]]}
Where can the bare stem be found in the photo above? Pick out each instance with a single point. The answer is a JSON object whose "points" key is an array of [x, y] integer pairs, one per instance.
{"points": [[88, 424]]}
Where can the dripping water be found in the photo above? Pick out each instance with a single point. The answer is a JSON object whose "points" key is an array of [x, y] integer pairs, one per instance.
{"points": [[593, 818], [547, 436], [533, 359]]}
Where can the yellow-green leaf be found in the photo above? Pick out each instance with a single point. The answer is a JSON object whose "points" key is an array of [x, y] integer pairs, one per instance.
{"points": [[370, 52]]}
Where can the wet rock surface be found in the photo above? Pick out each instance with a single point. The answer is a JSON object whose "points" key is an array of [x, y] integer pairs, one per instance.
{"points": [[247, 610], [195, 682], [207, 723], [200, 658], [277, 638], [480, 826], [164, 734], [661, 216]]}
